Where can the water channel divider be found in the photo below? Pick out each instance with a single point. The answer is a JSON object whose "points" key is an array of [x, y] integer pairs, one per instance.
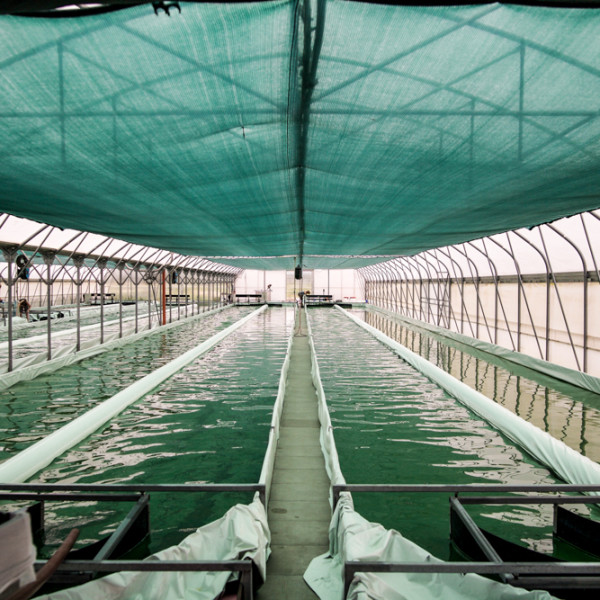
{"points": [[266, 473], [33, 459], [355, 544], [332, 463], [565, 462], [571, 376], [30, 367]]}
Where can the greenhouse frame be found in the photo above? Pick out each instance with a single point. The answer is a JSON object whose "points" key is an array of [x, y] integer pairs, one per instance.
{"points": [[298, 298]]}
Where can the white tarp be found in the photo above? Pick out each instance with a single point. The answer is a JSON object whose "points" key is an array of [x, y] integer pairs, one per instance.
{"points": [[351, 537], [241, 533]]}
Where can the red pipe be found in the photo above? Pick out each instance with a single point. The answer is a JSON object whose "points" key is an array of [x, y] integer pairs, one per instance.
{"points": [[164, 297]]}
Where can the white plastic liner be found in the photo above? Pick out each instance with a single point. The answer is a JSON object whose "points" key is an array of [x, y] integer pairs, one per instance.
{"points": [[31, 460], [582, 380], [30, 367], [266, 473], [241, 533], [351, 537]]}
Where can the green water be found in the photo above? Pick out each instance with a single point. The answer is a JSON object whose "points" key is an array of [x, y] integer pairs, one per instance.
{"points": [[392, 425], [208, 423], [32, 409], [568, 413]]}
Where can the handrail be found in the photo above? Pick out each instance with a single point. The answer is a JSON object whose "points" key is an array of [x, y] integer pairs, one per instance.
{"points": [[460, 488], [495, 566], [77, 488], [244, 567]]}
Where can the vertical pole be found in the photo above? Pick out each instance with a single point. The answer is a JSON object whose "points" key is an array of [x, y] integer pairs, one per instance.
{"points": [[188, 275], [9, 256], [170, 297], [48, 261], [78, 261], [120, 268], [102, 265], [135, 275], [178, 295], [149, 280], [164, 297]]}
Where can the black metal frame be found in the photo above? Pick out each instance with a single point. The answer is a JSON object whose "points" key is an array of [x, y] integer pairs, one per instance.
{"points": [[84, 570], [552, 575]]}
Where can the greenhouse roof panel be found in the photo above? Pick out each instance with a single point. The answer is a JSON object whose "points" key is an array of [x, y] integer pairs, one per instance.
{"points": [[228, 130]]}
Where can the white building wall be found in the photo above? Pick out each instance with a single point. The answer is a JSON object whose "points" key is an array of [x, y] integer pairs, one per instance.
{"points": [[342, 284]]}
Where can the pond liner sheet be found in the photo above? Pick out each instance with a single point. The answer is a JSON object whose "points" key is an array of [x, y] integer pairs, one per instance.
{"points": [[242, 533], [353, 538], [25, 464]]}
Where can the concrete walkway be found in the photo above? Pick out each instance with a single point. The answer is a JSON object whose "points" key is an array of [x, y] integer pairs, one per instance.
{"points": [[299, 512]]}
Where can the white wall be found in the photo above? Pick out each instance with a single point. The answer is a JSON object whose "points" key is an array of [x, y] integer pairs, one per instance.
{"points": [[342, 284]]}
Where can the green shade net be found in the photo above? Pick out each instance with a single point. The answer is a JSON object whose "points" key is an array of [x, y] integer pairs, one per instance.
{"points": [[232, 130]]}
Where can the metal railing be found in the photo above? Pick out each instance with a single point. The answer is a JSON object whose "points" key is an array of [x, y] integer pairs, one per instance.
{"points": [[549, 575], [137, 493]]}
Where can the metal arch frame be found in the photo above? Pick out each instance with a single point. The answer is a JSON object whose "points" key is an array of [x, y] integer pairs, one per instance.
{"points": [[464, 313], [440, 269], [423, 256], [498, 297], [562, 309], [393, 285], [476, 283], [521, 290], [111, 260], [412, 288], [409, 294], [451, 314]]}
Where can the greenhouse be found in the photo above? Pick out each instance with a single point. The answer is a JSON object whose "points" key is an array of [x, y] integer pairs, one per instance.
{"points": [[298, 299]]}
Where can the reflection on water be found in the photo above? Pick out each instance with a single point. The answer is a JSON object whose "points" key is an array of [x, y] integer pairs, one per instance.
{"points": [[570, 414], [32, 409], [208, 423], [392, 425]]}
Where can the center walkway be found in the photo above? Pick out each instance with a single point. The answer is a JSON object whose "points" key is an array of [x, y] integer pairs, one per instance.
{"points": [[299, 511]]}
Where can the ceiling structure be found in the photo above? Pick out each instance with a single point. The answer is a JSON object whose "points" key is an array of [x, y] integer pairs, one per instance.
{"points": [[329, 133]]}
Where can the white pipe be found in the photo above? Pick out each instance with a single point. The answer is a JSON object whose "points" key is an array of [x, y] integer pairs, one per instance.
{"points": [[31, 460]]}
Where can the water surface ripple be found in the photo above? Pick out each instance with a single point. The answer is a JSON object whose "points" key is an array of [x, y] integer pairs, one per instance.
{"points": [[393, 425]]}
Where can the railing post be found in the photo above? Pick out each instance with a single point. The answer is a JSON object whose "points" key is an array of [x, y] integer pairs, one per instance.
{"points": [[78, 261], [10, 253], [49, 257], [101, 263]]}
